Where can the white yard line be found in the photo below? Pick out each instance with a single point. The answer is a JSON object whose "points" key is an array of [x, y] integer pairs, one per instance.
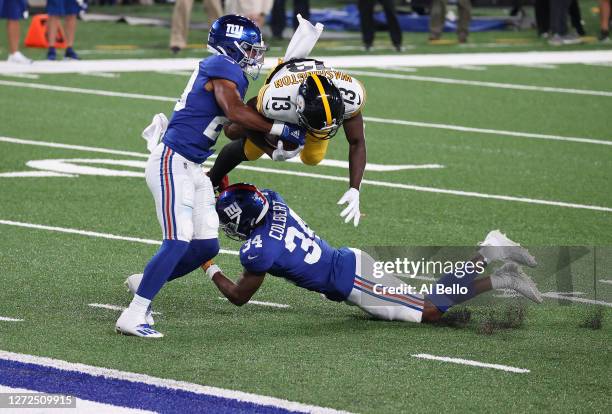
{"points": [[110, 75], [176, 72], [93, 234], [389, 184], [472, 363], [556, 295], [7, 319], [34, 174], [113, 307], [21, 75], [166, 383], [86, 91], [609, 282], [470, 67], [499, 132], [498, 85], [72, 147], [537, 66], [363, 61], [260, 303]]}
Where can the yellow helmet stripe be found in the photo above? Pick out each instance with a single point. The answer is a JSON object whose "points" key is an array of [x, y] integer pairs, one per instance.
{"points": [[324, 97]]}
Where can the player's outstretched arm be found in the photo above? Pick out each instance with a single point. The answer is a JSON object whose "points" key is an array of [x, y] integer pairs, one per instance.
{"points": [[238, 293], [355, 135]]}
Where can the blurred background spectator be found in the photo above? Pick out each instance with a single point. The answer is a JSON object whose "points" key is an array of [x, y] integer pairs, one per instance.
{"points": [[559, 33], [256, 10], [438, 17], [542, 15], [604, 21], [368, 29], [13, 11], [279, 18], [181, 17], [56, 9]]}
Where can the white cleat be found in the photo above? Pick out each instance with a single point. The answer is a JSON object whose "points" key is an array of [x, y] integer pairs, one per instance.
{"points": [[132, 283], [511, 276], [133, 323], [19, 58], [496, 246]]}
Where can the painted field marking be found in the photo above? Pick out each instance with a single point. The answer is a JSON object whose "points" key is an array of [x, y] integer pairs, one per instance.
{"points": [[499, 132], [7, 319], [472, 363], [113, 307], [556, 295], [93, 234], [469, 67], [370, 119], [85, 91], [538, 66], [109, 75], [175, 72], [34, 174], [497, 85], [399, 68], [166, 383], [402, 186], [357, 61], [609, 282], [21, 75], [83, 406], [261, 303]]}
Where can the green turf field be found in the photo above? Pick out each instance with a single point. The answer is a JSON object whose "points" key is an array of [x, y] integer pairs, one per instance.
{"points": [[536, 163]]}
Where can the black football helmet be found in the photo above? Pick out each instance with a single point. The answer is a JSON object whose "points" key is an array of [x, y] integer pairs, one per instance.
{"points": [[320, 107]]}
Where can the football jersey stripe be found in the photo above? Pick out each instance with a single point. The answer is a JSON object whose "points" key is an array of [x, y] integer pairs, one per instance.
{"points": [[323, 97], [415, 299], [163, 193]]}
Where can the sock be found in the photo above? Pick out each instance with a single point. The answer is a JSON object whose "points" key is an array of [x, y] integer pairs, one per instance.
{"points": [[445, 301], [200, 251], [160, 267], [69, 50], [230, 156], [140, 304]]}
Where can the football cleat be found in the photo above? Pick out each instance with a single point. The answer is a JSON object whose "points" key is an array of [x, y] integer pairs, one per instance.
{"points": [[132, 283], [511, 276], [496, 246], [133, 323]]}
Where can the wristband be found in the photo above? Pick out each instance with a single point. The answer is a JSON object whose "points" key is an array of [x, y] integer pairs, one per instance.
{"points": [[277, 128], [210, 272]]}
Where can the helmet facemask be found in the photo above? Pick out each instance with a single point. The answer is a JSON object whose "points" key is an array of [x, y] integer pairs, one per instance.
{"points": [[253, 58]]}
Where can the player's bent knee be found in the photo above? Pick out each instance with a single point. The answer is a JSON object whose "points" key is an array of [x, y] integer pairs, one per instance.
{"points": [[309, 158], [252, 151]]}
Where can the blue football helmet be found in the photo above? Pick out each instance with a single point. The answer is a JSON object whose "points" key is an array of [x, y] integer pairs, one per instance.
{"points": [[241, 207], [240, 39]]}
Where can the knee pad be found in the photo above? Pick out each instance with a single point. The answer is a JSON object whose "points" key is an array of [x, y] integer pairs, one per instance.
{"points": [[252, 151]]}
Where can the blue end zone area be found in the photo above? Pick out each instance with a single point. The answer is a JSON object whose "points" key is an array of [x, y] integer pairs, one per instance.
{"points": [[121, 393]]}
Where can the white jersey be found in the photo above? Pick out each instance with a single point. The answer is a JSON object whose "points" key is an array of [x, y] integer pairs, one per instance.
{"points": [[277, 98]]}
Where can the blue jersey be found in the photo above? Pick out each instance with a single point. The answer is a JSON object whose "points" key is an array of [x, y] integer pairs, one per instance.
{"points": [[198, 120], [286, 247]]}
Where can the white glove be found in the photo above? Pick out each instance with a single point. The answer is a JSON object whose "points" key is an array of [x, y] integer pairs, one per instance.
{"points": [[155, 131], [352, 210], [280, 154]]}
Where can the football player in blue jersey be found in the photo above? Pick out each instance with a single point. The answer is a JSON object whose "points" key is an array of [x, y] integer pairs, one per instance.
{"points": [[183, 194], [279, 242]]}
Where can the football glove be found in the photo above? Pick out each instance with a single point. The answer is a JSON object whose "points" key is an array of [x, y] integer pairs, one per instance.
{"points": [[351, 212], [289, 132], [280, 154]]}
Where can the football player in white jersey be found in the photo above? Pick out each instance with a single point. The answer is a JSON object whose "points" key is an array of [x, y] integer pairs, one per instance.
{"points": [[320, 100]]}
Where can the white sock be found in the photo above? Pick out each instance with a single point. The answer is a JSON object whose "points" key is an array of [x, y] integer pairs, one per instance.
{"points": [[140, 304]]}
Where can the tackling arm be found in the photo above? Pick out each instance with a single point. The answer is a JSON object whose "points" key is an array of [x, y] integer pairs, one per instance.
{"points": [[240, 292]]}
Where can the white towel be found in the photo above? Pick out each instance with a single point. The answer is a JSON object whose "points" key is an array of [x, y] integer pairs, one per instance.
{"points": [[303, 40], [155, 131]]}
